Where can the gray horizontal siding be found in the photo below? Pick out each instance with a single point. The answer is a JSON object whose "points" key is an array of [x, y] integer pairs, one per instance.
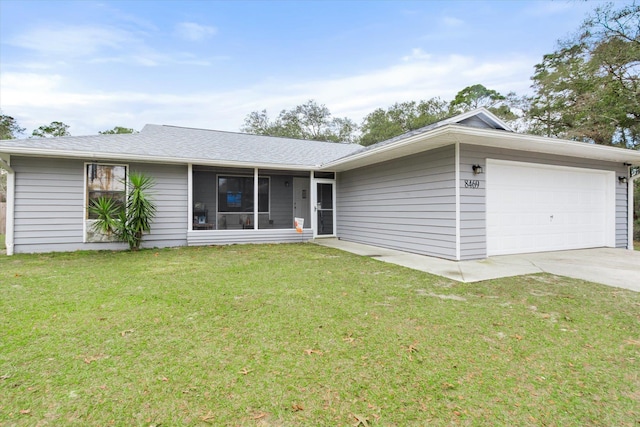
{"points": [[170, 194], [229, 237], [406, 204], [472, 201], [49, 205]]}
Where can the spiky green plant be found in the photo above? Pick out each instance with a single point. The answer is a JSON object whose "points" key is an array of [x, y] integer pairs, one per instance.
{"points": [[128, 224]]}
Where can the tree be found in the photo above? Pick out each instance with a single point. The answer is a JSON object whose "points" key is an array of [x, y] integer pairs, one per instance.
{"points": [[402, 117], [589, 88], [477, 96], [306, 121], [51, 130], [117, 130], [9, 128], [128, 223]]}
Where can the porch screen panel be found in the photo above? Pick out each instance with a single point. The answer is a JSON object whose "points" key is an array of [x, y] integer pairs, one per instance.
{"points": [[235, 194]]}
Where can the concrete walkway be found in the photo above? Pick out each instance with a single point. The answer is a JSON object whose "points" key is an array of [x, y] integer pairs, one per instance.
{"points": [[608, 266]]}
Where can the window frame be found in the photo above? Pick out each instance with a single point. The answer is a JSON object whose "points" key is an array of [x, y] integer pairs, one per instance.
{"points": [[255, 199], [85, 173]]}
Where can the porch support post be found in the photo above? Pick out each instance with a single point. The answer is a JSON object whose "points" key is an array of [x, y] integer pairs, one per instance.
{"points": [[5, 163], [189, 196], [457, 184], [255, 199], [314, 207]]}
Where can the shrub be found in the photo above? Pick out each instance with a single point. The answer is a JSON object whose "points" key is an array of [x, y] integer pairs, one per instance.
{"points": [[127, 224]]}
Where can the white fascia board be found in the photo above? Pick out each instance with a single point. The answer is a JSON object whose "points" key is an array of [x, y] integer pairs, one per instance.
{"points": [[411, 145], [91, 155], [452, 133], [541, 144], [480, 112]]}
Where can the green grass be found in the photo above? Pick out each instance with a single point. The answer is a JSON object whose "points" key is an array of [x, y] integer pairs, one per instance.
{"points": [[291, 335], [1, 242]]}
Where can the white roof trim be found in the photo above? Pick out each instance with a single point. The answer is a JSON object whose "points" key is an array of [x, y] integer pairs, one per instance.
{"points": [[452, 133], [480, 112], [91, 155]]}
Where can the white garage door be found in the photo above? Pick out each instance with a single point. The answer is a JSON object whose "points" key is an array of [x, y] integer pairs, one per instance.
{"points": [[535, 208]]}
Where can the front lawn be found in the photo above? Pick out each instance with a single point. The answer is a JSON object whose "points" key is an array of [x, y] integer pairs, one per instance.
{"points": [[306, 335]]}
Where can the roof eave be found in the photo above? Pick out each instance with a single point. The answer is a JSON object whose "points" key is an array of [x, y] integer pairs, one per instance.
{"points": [[97, 156], [452, 133]]}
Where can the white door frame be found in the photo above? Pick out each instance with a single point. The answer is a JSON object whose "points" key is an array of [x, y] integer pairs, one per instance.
{"points": [[314, 204]]}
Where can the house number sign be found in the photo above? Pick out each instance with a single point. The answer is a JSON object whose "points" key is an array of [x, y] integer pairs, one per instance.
{"points": [[471, 183]]}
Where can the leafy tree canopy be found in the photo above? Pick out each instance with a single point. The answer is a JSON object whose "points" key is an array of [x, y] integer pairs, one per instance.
{"points": [[476, 96], [117, 130], [51, 130], [401, 117], [9, 128], [307, 121], [589, 88]]}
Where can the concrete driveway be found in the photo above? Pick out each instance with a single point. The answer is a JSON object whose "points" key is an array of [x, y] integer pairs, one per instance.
{"points": [[608, 266]]}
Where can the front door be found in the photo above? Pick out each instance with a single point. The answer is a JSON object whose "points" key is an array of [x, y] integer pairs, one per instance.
{"points": [[324, 209], [302, 200]]}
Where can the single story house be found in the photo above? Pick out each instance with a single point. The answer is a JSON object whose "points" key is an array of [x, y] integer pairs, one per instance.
{"points": [[464, 188]]}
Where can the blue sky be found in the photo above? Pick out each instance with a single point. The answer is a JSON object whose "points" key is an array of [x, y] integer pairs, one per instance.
{"points": [[206, 64]]}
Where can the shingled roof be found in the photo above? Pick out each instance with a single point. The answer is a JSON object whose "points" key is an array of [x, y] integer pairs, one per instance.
{"points": [[175, 144]]}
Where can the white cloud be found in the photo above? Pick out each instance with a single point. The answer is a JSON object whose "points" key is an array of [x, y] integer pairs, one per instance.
{"points": [[35, 99], [73, 41], [194, 32], [450, 21], [416, 54]]}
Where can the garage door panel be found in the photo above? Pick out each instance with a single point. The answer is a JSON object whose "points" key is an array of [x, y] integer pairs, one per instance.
{"points": [[533, 208]]}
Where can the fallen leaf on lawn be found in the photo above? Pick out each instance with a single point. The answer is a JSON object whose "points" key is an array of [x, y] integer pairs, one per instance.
{"points": [[208, 417], [361, 421], [128, 331], [413, 347], [94, 358], [518, 337], [632, 342], [260, 415], [297, 407], [309, 352], [245, 371], [348, 338], [25, 411], [165, 379]]}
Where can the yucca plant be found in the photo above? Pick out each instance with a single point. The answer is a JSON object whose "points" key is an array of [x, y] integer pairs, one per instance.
{"points": [[128, 224]]}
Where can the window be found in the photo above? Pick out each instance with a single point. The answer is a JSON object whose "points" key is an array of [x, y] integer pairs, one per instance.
{"points": [[106, 181], [235, 194]]}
